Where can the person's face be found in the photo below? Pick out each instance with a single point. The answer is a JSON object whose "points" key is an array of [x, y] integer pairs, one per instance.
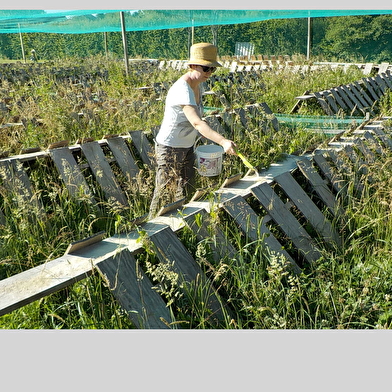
{"points": [[206, 71]]}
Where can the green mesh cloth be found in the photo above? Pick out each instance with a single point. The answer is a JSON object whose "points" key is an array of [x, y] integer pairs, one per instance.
{"points": [[92, 21]]}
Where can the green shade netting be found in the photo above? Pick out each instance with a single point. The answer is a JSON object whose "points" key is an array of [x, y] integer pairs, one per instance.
{"points": [[93, 21]]}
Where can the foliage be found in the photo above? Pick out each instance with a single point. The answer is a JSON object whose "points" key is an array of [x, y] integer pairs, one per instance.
{"points": [[347, 288], [334, 38]]}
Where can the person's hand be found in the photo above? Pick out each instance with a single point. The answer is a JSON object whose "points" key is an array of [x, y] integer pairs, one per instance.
{"points": [[229, 146]]}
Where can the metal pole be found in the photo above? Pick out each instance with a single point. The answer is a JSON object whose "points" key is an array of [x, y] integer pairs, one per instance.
{"points": [[193, 32], [21, 43], [309, 38], [105, 37], [124, 38]]}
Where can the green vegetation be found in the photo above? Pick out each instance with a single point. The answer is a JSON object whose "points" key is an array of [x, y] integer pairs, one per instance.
{"points": [[347, 288], [345, 38]]}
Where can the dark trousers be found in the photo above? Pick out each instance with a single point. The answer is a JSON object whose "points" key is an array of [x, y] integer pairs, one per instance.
{"points": [[175, 176]]}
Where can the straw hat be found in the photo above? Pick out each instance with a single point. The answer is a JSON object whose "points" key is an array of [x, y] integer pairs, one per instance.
{"points": [[204, 54]]}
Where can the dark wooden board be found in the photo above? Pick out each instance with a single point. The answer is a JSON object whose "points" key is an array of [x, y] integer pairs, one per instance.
{"points": [[338, 99], [255, 227], [16, 181], [371, 90], [70, 173], [201, 224], [381, 82], [323, 104], [123, 156], [171, 251], [286, 221], [319, 185], [308, 208], [330, 99], [353, 98], [369, 101], [359, 95], [376, 87], [103, 173], [134, 291], [144, 148], [351, 105]]}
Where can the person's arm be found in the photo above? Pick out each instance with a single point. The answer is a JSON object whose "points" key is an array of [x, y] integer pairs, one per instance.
{"points": [[205, 130]]}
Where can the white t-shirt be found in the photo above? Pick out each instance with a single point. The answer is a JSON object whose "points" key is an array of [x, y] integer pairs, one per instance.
{"points": [[176, 130]]}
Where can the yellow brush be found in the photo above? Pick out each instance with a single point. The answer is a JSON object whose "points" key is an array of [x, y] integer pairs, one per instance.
{"points": [[247, 164]]}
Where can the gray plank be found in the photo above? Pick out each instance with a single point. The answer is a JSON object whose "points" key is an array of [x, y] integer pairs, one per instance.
{"points": [[286, 221], [133, 290], [255, 228], [70, 173], [370, 88], [321, 100], [144, 148], [201, 224], [308, 208], [103, 173], [352, 106], [319, 184], [338, 99], [123, 157], [330, 99], [16, 181], [171, 251], [369, 101]]}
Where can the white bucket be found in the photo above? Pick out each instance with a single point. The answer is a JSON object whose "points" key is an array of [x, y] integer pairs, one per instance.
{"points": [[209, 160]]}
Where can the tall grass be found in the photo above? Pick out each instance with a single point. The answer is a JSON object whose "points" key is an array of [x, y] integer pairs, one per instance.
{"points": [[348, 288]]}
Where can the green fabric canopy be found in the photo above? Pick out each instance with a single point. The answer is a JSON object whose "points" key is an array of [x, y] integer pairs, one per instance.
{"points": [[92, 21]]}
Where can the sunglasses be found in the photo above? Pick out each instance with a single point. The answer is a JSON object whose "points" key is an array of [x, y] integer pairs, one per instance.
{"points": [[208, 69]]}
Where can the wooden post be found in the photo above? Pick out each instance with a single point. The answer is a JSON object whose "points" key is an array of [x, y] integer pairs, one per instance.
{"points": [[105, 38], [309, 38], [124, 38], [21, 43]]}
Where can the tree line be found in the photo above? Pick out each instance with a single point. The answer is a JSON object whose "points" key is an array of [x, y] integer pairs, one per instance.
{"points": [[365, 38]]}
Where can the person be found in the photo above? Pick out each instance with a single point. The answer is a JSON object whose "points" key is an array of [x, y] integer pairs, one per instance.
{"points": [[181, 127]]}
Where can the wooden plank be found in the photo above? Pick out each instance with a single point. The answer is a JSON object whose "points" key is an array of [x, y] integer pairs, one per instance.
{"points": [[268, 113], [346, 99], [329, 97], [369, 101], [359, 95], [123, 156], [103, 172], [134, 291], [381, 82], [376, 87], [240, 112], [308, 208], [286, 221], [347, 170], [386, 80], [381, 135], [255, 228], [367, 153], [201, 224], [215, 124], [170, 251], [370, 89], [338, 99], [70, 173], [2, 218], [374, 143], [335, 179], [16, 181], [353, 97], [144, 148], [321, 100]]}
